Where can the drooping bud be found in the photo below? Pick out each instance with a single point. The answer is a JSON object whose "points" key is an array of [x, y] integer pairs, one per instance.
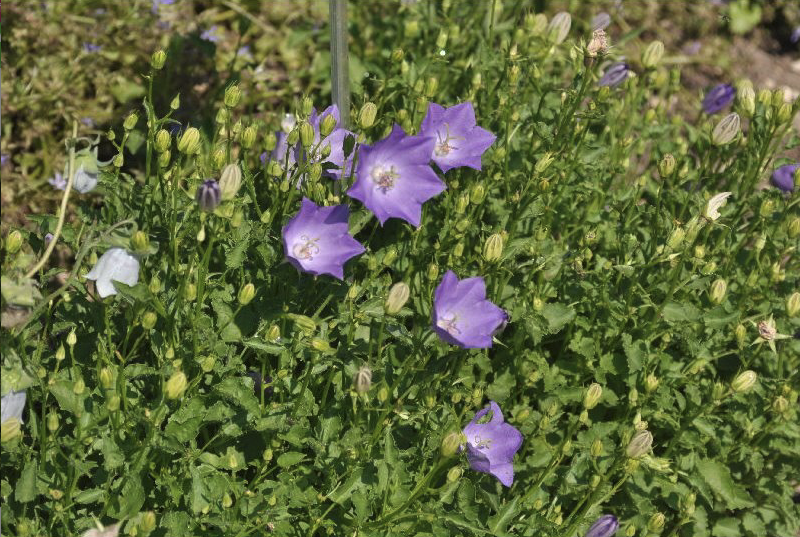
{"points": [[366, 117], [451, 442], [362, 380], [605, 526], [230, 181], [246, 294], [493, 248], [130, 121], [176, 385], [189, 142], [592, 396], [717, 291], [558, 28], [726, 130], [158, 59], [397, 298], [652, 55], [744, 381], [639, 445], [232, 96], [209, 195]]}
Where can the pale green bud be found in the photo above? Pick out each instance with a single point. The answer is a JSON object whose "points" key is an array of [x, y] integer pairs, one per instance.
{"points": [[652, 55], [78, 387], [793, 304], [189, 142], [249, 136], [767, 208], [411, 28], [433, 271], [778, 98], [130, 121], [164, 159], [72, 339], [431, 85], [176, 385], [493, 248], [667, 165], [52, 421], [747, 99], [597, 448], [315, 172], [362, 380], [651, 383], [676, 238], [639, 445], [232, 96], [61, 353], [304, 323], [477, 194], [158, 59], [398, 55], [230, 181], [274, 333], [107, 378], [306, 134], [784, 113], [163, 140], [306, 105], [148, 522], [326, 126], [558, 28], [270, 141], [780, 405], [190, 292], [454, 474], [451, 442], [544, 163], [744, 381], [740, 333], [149, 320], [462, 203], [397, 298], [176, 102], [592, 396], [246, 294], [366, 117], [140, 243], [383, 394], [441, 39], [717, 291], [726, 130], [14, 242], [208, 363]]}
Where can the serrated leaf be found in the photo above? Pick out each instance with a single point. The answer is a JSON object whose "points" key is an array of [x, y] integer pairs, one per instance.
{"points": [[557, 316], [290, 459], [719, 479], [25, 489]]}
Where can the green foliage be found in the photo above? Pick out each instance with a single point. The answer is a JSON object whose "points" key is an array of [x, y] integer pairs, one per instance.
{"points": [[267, 434]]}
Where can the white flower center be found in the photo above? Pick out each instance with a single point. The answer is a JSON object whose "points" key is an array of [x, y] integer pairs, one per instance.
{"points": [[449, 324], [480, 443], [443, 145], [384, 177], [307, 248]]}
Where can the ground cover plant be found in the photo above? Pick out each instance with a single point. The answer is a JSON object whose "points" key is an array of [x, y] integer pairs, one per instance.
{"points": [[512, 288]]}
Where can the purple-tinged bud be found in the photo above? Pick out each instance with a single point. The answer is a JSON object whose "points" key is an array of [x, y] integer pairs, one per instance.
{"points": [[209, 195], [784, 178], [605, 526], [718, 98], [601, 21], [615, 74]]}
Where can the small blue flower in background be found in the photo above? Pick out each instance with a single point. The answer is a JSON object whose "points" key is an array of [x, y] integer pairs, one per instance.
{"points": [[210, 34], [91, 48], [58, 181], [605, 526], [795, 37], [783, 177], [114, 265], [614, 75], [209, 195], [159, 3], [491, 446], [4, 159], [89, 122], [718, 98]]}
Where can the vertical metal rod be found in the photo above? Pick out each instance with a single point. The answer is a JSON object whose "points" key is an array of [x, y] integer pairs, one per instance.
{"points": [[339, 59]]}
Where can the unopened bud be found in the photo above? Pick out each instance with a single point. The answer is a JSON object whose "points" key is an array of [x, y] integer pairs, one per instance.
{"points": [[558, 28], [148, 522], [230, 181], [72, 339], [14, 242], [433, 271], [362, 380], [639, 445], [747, 100], [744, 381], [321, 345], [52, 421], [397, 55], [140, 243], [793, 304], [780, 404], [304, 323], [667, 165], [717, 291], [189, 142], [592, 396], [107, 378], [232, 96], [366, 117], [158, 59], [454, 474], [163, 140], [176, 385], [451, 442], [652, 55], [149, 320], [130, 121], [306, 132], [431, 85], [246, 294], [477, 194], [597, 448], [274, 333], [651, 383], [249, 136], [397, 298], [726, 130], [493, 248]]}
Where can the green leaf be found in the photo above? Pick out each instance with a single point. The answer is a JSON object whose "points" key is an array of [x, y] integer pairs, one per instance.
{"points": [[25, 489], [498, 522], [719, 479], [341, 493], [727, 527], [557, 315], [131, 498], [290, 459], [675, 312]]}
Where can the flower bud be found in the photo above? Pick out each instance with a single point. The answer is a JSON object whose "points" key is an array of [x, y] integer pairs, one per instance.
{"points": [[605, 526], [477, 194], [208, 363], [113, 403], [558, 28], [189, 142], [249, 136], [747, 100], [667, 165], [451, 442], [397, 298], [176, 385], [13, 242], [306, 106], [778, 98], [366, 117], [52, 421], [246, 294], [454, 474], [175, 103], [592, 396], [164, 158], [163, 140], [326, 126], [107, 378], [740, 333], [793, 304], [397, 55], [493, 248], [726, 130], [209, 195], [148, 522], [639, 445], [383, 394], [232, 96], [130, 121], [433, 271], [270, 141], [60, 353], [230, 181], [158, 59], [72, 339], [304, 323], [149, 320], [780, 404], [744, 381], [78, 387], [119, 160], [140, 243], [652, 55], [431, 85], [306, 133], [717, 291], [597, 448], [651, 383], [362, 380], [687, 504], [273, 334]]}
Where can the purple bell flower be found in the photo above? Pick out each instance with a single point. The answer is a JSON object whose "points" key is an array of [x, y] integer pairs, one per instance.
{"points": [[316, 241], [210, 34], [615, 74], [335, 140], [209, 195], [783, 177], [718, 98], [58, 181], [605, 526], [461, 314], [459, 141], [491, 446], [394, 178]]}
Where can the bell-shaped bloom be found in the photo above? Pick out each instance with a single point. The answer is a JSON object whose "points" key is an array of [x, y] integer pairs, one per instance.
{"points": [[783, 177], [209, 195], [713, 205], [605, 526], [461, 314], [491, 446], [316, 241], [116, 265], [718, 98], [11, 406], [394, 178], [459, 141], [336, 162], [615, 74]]}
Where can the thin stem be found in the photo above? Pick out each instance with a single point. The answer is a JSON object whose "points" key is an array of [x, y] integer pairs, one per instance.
{"points": [[339, 60]]}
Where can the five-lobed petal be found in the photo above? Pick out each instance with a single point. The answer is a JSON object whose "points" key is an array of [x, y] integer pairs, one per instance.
{"points": [[458, 139]]}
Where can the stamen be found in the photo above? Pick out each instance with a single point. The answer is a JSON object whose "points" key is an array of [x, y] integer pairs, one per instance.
{"points": [[384, 178], [449, 325], [443, 147], [306, 249]]}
